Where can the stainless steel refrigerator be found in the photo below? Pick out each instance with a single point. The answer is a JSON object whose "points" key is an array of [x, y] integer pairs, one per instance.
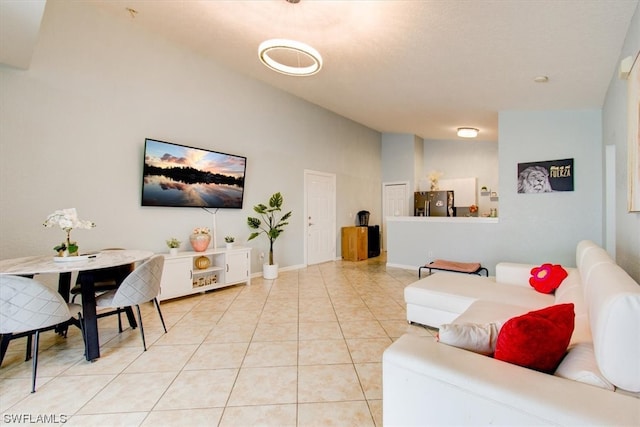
{"points": [[433, 203]]}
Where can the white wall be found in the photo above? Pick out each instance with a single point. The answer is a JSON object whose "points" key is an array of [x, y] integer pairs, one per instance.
{"points": [[532, 228], [399, 154], [549, 225], [465, 159], [627, 225], [72, 131]]}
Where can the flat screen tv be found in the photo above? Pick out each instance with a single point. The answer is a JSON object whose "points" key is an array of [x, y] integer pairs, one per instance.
{"points": [[180, 176]]}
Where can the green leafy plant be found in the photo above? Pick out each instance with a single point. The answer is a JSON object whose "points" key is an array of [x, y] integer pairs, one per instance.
{"points": [[173, 243], [269, 224], [229, 239]]}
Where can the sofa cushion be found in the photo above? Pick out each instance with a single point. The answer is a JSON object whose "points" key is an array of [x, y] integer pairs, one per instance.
{"points": [[613, 304], [482, 311], [547, 277], [580, 365], [455, 292], [538, 339], [470, 336], [588, 256], [570, 291], [513, 273]]}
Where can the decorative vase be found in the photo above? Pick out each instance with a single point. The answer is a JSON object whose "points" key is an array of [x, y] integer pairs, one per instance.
{"points": [[69, 247], [229, 245], [200, 242], [202, 262], [173, 251]]}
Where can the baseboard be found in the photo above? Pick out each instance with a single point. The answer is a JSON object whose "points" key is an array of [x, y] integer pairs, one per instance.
{"points": [[288, 268], [402, 266]]}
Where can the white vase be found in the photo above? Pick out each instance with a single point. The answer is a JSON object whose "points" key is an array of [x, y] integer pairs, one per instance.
{"points": [[270, 271], [229, 246], [173, 251]]}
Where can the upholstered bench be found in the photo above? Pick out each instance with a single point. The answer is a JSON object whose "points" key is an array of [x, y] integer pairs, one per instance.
{"points": [[455, 267]]}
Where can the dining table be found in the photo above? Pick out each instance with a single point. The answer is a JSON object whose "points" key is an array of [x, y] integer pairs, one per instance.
{"points": [[86, 266]]}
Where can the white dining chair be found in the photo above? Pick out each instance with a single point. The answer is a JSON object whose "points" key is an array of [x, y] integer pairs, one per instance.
{"points": [[105, 279], [29, 307], [140, 286]]}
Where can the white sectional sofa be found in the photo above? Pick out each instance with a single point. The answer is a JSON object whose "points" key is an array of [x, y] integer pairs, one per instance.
{"points": [[430, 383]]}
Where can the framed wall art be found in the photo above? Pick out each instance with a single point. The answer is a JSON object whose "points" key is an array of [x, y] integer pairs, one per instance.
{"points": [[545, 177]]}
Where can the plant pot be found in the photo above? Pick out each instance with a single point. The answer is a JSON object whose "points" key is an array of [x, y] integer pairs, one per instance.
{"points": [[270, 271], [173, 251], [229, 246]]}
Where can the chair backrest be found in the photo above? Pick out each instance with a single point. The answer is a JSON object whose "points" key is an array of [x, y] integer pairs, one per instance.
{"points": [[28, 305], [142, 285], [113, 275]]}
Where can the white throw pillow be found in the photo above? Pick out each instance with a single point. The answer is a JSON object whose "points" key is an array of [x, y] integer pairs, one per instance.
{"points": [[470, 336], [580, 365]]}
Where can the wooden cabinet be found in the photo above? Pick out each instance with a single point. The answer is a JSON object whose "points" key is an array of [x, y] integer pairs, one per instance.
{"points": [[354, 243], [191, 272]]}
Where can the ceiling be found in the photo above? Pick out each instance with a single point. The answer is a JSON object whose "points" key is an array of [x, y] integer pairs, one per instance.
{"points": [[417, 67]]}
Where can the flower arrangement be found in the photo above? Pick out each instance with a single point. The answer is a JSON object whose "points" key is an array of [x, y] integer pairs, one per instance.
{"points": [[67, 220], [173, 243], [201, 230], [229, 239], [434, 176]]}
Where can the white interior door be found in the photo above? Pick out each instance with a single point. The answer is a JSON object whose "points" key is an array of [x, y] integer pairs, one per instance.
{"points": [[320, 216], [395, 201]]}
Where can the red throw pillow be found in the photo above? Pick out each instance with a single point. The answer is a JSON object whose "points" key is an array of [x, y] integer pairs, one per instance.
{"points": [[538, 339], [547, 277]]}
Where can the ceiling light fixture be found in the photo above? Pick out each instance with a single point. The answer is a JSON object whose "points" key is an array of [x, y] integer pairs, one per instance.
{"points": [[468, 132], [290, 57]]}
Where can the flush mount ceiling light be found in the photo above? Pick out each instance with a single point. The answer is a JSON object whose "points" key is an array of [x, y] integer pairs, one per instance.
{"points": [[290, 57], [468, 132]]}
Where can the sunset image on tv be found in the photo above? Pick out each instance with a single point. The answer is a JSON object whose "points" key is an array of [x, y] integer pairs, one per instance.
{"points": [[177, 175]]}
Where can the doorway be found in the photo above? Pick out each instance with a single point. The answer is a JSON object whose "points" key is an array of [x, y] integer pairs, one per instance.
{"points": [[320, 217], [395, 202]]}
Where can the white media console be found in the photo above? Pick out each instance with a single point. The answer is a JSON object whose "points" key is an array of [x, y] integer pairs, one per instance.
{"points": [[183, 273]]}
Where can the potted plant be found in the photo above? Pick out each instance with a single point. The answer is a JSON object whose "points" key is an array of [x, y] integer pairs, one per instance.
{"points": [[271, 225], [67, 220], [229, 241], [173, 245]]}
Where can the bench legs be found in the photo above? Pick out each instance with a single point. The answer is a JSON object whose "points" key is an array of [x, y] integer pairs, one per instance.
{"points": [[478, 272]]}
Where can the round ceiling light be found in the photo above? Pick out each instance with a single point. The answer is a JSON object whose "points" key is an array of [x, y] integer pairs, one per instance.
{"points": [[290, 57], [468, 132]]}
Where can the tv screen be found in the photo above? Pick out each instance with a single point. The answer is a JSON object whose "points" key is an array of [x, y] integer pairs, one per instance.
{"points": [[177, 175]]}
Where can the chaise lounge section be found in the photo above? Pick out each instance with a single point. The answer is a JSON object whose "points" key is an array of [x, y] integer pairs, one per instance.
{"points": [[430, 383]]}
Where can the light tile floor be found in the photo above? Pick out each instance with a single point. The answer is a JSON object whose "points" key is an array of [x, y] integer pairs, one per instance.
{"points": [[302, 350]]}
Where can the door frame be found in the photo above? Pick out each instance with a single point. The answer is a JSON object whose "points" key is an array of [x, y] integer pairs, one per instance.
{"points": [[308, 172]]}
